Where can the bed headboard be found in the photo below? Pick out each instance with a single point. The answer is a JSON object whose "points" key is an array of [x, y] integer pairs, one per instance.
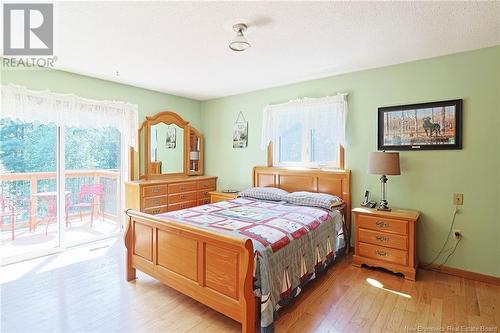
{"points": [[335, 182]]}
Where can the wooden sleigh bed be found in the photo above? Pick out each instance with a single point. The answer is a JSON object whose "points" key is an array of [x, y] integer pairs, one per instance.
{"points": [[212, 268]]}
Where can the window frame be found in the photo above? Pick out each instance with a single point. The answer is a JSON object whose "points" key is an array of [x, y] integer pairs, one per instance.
{"points": [[273, 159]]}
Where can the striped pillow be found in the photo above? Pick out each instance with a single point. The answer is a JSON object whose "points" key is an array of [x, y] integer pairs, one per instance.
{"points": [[264, 193], [322, 200]]}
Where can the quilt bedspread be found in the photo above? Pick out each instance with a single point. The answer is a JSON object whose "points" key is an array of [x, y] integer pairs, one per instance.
{"points": [[291, 243]]}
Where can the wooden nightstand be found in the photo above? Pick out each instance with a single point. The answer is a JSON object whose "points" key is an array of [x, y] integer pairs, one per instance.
{"points": [[386, 239], [216, 196]]}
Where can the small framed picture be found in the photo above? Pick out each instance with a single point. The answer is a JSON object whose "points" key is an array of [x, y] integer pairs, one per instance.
{"points": [[425, 126], [240, 134]]}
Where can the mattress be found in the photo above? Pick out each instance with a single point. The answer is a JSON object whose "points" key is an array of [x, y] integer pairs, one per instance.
{"points": [[292, 244]]}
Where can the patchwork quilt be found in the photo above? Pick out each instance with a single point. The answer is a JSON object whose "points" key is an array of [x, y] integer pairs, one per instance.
{"points": [[291, 243]]}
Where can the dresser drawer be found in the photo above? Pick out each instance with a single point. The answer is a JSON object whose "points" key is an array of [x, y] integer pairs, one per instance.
{"points": [[155, 201], [203, 194], [203, 201], [154, 190], [181, 197], [207, 185], [383, 239], [181, 187], [383, 224], [156, 210], [383, 253], [181, 205]]}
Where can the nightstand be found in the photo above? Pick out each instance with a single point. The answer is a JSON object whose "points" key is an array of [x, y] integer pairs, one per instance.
{"points": [[386, 239], [216, 196]]}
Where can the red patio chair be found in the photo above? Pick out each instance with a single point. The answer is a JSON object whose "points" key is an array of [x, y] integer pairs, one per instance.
{"points": [[12, 208], [91, 196]]}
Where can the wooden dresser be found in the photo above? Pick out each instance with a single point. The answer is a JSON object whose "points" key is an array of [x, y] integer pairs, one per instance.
{"points": [[168, 194], [386, 239]]}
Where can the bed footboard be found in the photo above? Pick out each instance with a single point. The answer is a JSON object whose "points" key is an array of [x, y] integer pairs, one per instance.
{"points": [[214, 269]]}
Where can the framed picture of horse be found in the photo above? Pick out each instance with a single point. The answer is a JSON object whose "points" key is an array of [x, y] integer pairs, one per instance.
{"points": [[425, 126]]}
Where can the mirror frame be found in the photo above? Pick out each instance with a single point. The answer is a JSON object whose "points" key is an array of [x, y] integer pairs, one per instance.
{"points": [[200, 171], [140, 157], [169, 118]]}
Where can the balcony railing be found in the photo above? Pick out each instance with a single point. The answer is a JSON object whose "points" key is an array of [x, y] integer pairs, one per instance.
{"points": [[24, 187]]}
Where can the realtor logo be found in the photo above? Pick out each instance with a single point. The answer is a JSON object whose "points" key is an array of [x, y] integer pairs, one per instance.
{"points": [[28, 29]]}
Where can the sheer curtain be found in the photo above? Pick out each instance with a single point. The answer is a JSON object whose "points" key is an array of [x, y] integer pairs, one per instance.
{"points": [[324, 116], [19, 103]]}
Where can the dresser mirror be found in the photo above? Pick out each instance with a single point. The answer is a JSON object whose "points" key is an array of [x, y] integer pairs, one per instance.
{"points": [[168, 146], [166, 149]]}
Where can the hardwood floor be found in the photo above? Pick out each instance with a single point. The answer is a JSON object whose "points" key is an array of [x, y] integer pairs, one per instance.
{"points": [[91, 295]]}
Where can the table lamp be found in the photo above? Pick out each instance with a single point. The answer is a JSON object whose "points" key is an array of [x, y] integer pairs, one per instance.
{"points": [[194, 156], [384, 163]]}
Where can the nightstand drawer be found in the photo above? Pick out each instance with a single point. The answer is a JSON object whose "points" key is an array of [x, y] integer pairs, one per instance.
{"points": [[383, 224], [383, 253], [221, 196], [383, 239]]}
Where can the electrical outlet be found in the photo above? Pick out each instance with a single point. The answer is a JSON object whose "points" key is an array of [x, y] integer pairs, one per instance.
{"points": [[457, 234], [458, 198]]}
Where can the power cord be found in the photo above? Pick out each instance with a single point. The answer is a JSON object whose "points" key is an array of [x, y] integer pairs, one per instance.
{"points": [[449, 255], [446, 242]]}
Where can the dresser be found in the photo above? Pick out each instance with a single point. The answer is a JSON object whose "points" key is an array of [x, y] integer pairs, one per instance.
{"points": [[386, 239], [168, 194]]}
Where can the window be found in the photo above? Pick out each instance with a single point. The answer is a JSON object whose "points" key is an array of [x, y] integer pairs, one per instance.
{"points": [[306, 132]]}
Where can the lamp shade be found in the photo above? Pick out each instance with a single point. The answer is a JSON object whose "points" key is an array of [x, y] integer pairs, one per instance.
{"points": [[384, 163], [194, 155]]}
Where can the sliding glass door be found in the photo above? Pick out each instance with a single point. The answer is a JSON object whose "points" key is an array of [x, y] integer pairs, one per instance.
{"points": [[28, 189], [92, 159], [60, 186]]}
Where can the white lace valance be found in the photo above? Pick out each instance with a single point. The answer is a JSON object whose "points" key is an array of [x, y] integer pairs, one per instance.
{"points": [[326, 113], [69, 110]]}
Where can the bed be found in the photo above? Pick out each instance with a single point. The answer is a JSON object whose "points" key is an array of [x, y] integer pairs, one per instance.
{"points": [[200, 252]]}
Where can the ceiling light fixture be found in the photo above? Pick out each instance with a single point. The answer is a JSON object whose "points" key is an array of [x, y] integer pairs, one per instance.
{"points": [[239, 42]]}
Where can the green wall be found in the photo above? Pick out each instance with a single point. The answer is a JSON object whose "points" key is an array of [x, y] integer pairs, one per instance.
{"points": [[428, 177]]}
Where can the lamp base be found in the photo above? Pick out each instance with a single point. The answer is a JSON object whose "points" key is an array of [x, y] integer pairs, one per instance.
{"points": [[383, 205]]}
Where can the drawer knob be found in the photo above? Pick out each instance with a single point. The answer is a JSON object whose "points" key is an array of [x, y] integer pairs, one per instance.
{"points": [[155, 211], [183, 196], [156, 202], [155, 189], [381, 253], [382, 238], [382, 224]]}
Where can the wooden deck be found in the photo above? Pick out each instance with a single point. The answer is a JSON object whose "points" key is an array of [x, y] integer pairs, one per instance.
{"points": [[84, 290]]}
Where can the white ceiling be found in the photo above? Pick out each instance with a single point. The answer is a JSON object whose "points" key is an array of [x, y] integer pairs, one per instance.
{"points": [[182, 47]]}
